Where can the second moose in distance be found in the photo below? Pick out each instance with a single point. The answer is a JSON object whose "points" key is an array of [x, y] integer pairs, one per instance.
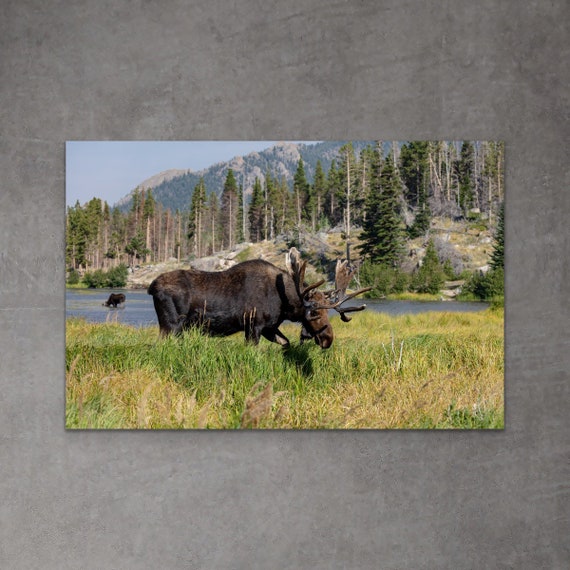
{"points": [[114, 300], [253, 296]]}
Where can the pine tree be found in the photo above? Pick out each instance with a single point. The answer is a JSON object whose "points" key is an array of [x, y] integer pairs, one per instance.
{"points": [[270, 205], [300, 191], [118, 235], [492, 176], [177, 234], [430, 276], [93, 216], [465, 173], [310, 207], [334, 185], [196, 220], [229, 211], [319, 189], [421, 222], [414, 170], [373, 204], [136, 203], [347, 166], [415, 173], [105, 231], [256, 212], [136, 247], [213, 219], [148, 215], [285, 211], [498, 255], [149, 205], [362, 184], [167, 223], [382, 239], [77, 237], [241, 216], [436, 180]]}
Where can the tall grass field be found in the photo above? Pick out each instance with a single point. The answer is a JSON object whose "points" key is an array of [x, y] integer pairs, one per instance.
{"points": [[433, 370]]}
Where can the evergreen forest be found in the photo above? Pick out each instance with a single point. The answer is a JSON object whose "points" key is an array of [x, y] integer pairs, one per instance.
{"points": [[379, 197]]}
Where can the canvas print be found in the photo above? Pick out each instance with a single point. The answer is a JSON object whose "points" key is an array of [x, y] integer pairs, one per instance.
{"points": [[285, 285]]}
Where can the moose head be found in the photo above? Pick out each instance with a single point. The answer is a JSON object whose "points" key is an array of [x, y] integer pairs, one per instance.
{"points": [[316, 303]]}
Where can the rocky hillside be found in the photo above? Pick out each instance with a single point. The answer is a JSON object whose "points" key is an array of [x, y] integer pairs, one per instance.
{"points": [[467, 247]]}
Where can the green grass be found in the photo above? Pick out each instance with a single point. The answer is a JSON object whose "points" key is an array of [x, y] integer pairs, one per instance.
{"points": [[244, 255], [79, 285], [412, 296], [433, 370]]}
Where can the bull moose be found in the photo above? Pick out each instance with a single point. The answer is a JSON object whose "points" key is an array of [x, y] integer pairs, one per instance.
{"points": [[253, 296], [114, 300]]}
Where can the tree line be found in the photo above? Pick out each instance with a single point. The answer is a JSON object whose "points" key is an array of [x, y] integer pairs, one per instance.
{"points": [[98, 237], [389, 193]]}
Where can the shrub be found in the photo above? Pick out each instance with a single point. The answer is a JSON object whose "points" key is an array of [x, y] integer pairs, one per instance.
{"points": [[486, 286], [94, 279], [383, 280], [429, 277], [448, 270], [401, 282], [497, 303], [115, 277], [73, 277]]}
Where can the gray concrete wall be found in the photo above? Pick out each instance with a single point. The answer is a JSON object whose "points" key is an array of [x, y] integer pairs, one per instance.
{"points": [[311, 69]]}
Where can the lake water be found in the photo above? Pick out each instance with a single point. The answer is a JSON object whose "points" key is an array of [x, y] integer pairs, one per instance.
{"points": [[138, 310]]}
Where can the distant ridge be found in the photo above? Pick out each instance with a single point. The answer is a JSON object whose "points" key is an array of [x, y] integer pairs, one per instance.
{"points": [[173, 188], [161, 177], [154, 181]]}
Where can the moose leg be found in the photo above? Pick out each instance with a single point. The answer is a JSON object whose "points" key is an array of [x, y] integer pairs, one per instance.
{"points": [[253, 334], [168, 318], [305, 335], [275, 335], [252, 328]]}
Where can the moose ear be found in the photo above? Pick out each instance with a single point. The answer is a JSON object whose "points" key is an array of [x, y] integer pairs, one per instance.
{"points": [[293, 261], [343, 275], [290, 256], [288, 262]]}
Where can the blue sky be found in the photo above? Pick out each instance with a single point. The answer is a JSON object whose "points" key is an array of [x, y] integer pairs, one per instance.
{"points": [[111, 169]]}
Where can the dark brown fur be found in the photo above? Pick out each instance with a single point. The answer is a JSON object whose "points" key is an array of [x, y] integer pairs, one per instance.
{"points": [[253, 296], [114, 300]]}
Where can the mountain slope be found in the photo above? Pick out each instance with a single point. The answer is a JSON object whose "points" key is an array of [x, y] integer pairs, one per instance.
{"points": [[175, 192]]}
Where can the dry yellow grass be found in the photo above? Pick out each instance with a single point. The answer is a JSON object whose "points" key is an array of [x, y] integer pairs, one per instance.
{"points": [[431, 370]]}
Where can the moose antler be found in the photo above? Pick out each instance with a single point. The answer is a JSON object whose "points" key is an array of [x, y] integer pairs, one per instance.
{"points": [[335, 297], [296, 268], [338, 296]]}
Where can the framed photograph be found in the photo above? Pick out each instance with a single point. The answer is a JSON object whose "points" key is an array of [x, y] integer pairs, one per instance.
{"points": [[285, 285]]}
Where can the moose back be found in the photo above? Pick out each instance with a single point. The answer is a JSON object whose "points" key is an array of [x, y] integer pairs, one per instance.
{"points": [[253, 296]]}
